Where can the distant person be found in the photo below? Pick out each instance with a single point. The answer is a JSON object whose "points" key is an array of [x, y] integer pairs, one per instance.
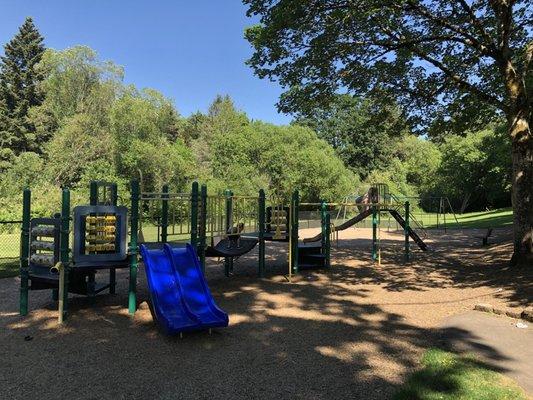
{"points": [[234, 235]]}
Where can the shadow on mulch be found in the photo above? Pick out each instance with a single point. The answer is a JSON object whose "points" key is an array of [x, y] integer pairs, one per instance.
{"points": [[308, 340]]}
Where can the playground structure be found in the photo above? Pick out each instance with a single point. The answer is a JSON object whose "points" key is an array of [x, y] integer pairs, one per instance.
{"points": [[99, 240], [426, 212], [228, 226], [201, 225]]}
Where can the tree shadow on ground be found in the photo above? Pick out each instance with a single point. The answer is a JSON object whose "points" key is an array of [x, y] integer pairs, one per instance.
{"points": [[312, 339], [454, 259]]}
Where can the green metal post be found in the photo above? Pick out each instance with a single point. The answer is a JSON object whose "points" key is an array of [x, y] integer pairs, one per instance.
{"points": [[93, 196], [164, 214], [374, 233], [323, 226], [203, 226], [406, 232], [295, 206], [114, 194], [93, 201], [112, 271], [194, 215], [327, 253], [261, 237], [64, 244], [25, 252], [134, 218], [228, 261]]}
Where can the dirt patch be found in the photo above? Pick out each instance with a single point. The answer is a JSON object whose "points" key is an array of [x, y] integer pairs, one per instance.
{"points": [[354, 331]]}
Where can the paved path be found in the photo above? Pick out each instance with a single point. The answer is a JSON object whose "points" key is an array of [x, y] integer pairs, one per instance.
{"points": [[498, 342]]}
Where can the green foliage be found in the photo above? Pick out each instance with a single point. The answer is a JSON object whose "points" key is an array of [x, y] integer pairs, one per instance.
{"points": [[77, 82], [426, 55], [476, 169], [98, 129], [293, 157], [144, 130], [19, 91], [362, 133], [79, 142], [420, 159], [245, 156]]}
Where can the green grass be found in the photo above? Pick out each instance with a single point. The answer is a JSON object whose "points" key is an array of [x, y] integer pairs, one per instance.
{"points": [[9, 268], [9, 254], [447, 376], [480, 220], [483, 219]]}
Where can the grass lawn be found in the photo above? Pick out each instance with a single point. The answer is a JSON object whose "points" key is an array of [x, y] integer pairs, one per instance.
{"points": [[480, 219], [9, 254], [447, 376], [9, 268]]}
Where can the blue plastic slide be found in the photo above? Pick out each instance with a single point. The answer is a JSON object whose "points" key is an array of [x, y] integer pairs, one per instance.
{"points": [[181, 299]]}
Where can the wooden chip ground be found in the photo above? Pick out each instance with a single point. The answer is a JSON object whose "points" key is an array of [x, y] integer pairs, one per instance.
{"points": [[353, 332]]}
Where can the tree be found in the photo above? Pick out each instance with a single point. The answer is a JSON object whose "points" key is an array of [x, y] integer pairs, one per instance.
{"points": [[76, 82], [475, 170], [361, 133], [421, 159], [20, 89], [143, 125], [427, 55]]}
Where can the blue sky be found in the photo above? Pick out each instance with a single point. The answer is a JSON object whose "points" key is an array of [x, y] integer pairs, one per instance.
{"points": [[189, 50]]}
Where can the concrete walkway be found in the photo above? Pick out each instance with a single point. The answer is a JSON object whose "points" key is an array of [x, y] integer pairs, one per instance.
{"points": [[496, 340]]}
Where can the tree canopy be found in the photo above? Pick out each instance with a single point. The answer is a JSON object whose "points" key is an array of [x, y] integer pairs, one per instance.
{"points": [[19, 91], [363, 133], [438, 59]]}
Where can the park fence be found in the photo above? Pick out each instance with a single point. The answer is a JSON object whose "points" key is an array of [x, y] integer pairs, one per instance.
{"points": [[9, 242]]}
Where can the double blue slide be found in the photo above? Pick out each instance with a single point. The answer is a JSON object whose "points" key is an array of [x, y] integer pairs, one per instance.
{"points": [[181, 299]]}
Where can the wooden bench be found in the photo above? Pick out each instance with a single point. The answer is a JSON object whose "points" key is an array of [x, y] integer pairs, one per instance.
{"points": [[485, 238]]}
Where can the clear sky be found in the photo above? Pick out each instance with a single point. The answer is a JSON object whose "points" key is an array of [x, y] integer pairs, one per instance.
{"points": [[190, 50]]}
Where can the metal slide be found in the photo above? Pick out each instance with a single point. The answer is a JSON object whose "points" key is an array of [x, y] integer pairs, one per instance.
{"points": [[423, 246], [181, 299], [345, 225]]}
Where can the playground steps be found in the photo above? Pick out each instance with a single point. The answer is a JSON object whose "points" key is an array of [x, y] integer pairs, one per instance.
{"points": [[423, 246], [310, 256]]}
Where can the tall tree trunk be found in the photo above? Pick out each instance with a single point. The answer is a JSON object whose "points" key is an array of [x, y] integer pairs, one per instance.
{"points": [[522, 196]]}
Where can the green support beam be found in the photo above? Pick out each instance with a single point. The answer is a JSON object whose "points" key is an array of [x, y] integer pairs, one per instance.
{"points": [[112, 271], [374, 233], [203, 226], [194, 215], [406, 232], [133, 248], [295, 204], [228, 261], [93, 193], [25, 252], [323, 213], [93, 201], [327, 253], [164, 214], [64, 244], [261, 217]]}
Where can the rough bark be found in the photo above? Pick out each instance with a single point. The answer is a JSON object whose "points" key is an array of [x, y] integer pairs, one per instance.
{"points": [[522, 196]]}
